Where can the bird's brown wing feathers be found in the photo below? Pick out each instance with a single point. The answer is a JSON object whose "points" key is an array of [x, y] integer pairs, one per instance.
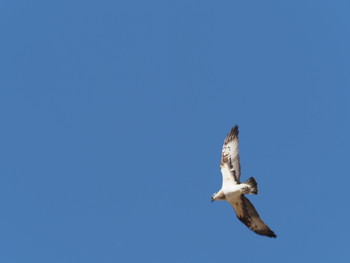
{"points": [[248, 215]]}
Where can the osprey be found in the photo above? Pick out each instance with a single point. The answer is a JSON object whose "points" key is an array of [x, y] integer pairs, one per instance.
{"points": [[233, 190]]}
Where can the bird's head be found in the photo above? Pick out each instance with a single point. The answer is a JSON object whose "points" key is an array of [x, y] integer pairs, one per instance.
{"points": [[213, 197]]}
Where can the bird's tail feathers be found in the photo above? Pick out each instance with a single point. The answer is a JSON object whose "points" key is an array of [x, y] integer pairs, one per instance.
{"points": [[253, 185]]}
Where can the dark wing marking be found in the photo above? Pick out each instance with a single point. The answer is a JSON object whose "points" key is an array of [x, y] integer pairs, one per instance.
{"points": [[230, 154], [248, 215], [228, 177]]}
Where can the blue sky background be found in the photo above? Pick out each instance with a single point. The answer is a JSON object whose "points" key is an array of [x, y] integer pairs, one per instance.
{"points": [[113, 115]]}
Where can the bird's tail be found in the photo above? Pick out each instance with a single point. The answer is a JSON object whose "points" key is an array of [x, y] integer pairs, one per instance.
{"points": [[253, 186]]}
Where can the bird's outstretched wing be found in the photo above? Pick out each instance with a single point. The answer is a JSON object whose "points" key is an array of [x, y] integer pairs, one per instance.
{"points": [[248, 215], [230, 165]]}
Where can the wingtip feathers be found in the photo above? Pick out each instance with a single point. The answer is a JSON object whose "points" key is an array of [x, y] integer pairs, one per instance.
{"points": [[232, 134], [269, 234]]}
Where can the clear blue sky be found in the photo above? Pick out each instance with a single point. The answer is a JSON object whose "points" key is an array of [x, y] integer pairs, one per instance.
{"points": [[113, 115]]}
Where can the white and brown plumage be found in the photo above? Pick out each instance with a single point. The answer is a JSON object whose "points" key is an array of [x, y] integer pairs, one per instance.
{"points": [[233, 190]]}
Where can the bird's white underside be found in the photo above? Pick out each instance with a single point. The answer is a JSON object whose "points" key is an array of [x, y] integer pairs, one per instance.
{"points": [[231, 189], [227, 178]]}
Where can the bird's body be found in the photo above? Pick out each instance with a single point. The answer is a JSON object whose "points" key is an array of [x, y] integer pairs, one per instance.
{"points": [[233, 190]]}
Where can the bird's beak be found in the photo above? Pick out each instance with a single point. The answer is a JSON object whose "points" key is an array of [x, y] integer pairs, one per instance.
{"points": [[212, 199]]}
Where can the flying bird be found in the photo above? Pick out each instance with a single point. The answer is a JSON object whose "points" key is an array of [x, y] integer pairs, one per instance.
{"points": [[233, 191]]}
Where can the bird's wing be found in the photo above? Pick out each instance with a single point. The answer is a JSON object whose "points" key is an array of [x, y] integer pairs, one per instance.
{"points": [[248, 215], [230, 166]]}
